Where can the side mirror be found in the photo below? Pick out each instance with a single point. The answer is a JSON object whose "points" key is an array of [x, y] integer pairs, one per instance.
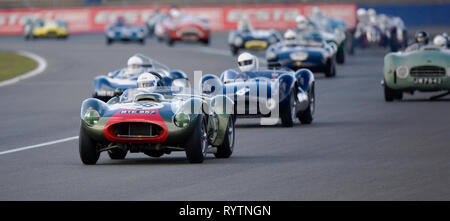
{"points": [[118, 92]]}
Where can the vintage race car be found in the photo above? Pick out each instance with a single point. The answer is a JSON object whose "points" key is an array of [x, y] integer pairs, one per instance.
{"points": [[267, 93], [124, 32], [105, 86], [153, 20], [45, 29], [318, 56], [156, 122], [424, 69], [331, 31], [245, 37], [183, 28]]}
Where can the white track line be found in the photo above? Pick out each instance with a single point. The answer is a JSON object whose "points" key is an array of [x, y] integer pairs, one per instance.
{"points": [[42, 65], [39, 145]]}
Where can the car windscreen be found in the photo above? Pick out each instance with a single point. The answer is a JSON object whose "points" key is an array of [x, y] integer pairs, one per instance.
{"points": [[253, 75], [167, 92]]}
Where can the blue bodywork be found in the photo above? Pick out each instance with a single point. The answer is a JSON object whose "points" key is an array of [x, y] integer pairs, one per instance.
{"points": [[315, 56], [123, 32], [105, 86], [253, 39], [266, 89]]}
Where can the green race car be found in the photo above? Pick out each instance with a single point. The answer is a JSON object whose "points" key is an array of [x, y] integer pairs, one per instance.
{"points": [[418, 68], [157, 122]]}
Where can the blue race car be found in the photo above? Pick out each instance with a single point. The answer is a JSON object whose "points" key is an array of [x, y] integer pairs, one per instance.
{"points": [[120, 31], [114, 83], [245, 37], [316, 55], [266, 93]]}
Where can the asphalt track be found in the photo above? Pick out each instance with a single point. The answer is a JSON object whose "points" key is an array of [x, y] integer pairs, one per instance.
{"points": [[358, 147]]}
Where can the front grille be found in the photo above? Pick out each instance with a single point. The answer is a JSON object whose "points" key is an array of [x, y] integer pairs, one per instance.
{"points": [[136, 129], [427, 71]]}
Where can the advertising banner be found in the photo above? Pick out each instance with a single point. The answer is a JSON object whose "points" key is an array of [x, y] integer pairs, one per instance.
{"points": [[221, 18]]}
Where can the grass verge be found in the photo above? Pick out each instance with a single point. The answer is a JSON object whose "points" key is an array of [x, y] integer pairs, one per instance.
{"points": [[13, 65]]}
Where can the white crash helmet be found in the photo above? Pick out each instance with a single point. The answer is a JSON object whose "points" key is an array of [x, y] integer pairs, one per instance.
{"points": [[289, 36], [147, 81], [361, 12], [134, 66], [247, 62], [371, 12], [440, 41], [302, 22], [316, 12], [174, 13]]}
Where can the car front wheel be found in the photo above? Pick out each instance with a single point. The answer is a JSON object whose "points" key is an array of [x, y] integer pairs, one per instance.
{"points": [[197, 145], [87, 148]]}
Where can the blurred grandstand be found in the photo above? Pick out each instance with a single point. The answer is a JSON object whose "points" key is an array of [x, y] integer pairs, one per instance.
{"points": [[5, 4]]}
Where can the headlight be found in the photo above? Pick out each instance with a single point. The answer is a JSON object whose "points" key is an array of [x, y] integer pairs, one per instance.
{"points": [[402, 72], [110, 33], [271, 55], [181, 120], [91, 117], [299, 56], [238, 41]]}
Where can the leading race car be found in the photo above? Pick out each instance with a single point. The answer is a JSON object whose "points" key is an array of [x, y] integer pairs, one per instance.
{"points": [[296, 52], [421, 67], [181, 27], [156, 121], [120, 31], [266, 93], [105, 86], [39, 28], [245, 37]]}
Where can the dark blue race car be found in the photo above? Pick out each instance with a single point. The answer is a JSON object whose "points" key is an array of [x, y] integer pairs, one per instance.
{"points": [[120, 31], [114, 83], [267, 93], [245, 37], [318, 56]]}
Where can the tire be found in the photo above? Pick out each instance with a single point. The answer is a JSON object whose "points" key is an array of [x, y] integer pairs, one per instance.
{"points": [[287, 114], [170, 41], [117, 154], [109, 41], [307, 116], [330, 70], [142, 41], [340, 56], [206, 41], [234, 50], [197, 144], [226, 149], [87, 148], [389, 94], [398, 95]]}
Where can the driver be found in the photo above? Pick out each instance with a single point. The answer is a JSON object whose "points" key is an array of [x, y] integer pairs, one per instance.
{"points": [[134, 67], [244, 25], [290, 37], [147, 81], [421, 39], [247, 62], [440, 41]]}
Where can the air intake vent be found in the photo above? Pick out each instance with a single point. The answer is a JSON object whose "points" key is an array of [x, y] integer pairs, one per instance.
{"points": [[136, 129], [427, 71]]}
